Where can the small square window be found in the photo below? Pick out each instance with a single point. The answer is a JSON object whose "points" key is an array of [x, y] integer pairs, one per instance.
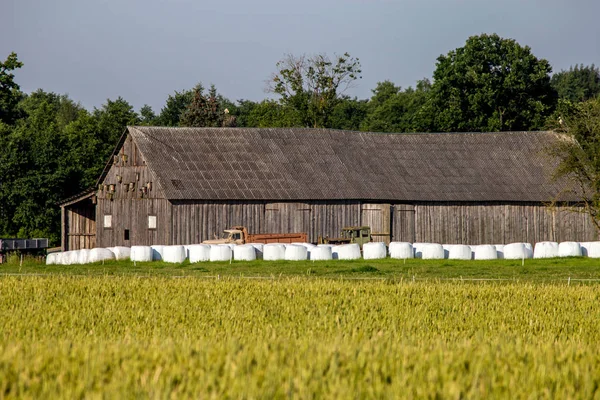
{"points": [[151, 221], [108, 221]]}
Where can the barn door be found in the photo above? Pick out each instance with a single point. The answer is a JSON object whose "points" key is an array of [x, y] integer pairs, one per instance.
{"points": [[404, 223], [377, 217]]}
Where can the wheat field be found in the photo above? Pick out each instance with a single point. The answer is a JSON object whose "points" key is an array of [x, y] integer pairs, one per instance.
{"points": [[160, 337]]}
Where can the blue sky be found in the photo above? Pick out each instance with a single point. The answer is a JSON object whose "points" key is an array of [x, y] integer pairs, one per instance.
{"points": [[143, 50]]}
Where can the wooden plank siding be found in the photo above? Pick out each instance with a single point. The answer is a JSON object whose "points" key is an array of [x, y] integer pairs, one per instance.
{"points": [[188, 222], [132, 215], [80, 223], [494, 223]]}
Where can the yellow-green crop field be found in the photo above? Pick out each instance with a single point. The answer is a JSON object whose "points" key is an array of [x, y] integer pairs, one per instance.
{"points": [[131, 337]]}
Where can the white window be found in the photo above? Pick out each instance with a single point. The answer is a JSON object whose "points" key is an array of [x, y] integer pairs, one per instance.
{"points": [[108, 221], [151, 221]]}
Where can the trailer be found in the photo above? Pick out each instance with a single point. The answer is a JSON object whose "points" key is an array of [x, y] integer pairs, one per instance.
{"points": [[240, 235], [24, 246]]}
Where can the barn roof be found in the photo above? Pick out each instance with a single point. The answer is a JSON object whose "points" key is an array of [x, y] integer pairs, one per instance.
{"points": [[319, 164]]}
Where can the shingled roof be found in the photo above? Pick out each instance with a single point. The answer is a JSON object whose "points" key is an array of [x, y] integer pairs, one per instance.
{"points": [[319, 164]]}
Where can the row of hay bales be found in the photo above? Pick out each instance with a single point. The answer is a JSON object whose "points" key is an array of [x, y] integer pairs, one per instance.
{"points": [[306, 251]]}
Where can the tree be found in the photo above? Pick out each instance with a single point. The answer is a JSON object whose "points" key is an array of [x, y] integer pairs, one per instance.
{"points": [[271, 114], [10, 93], [175, 107], [312, 85], [112, 119], [579, 83], [491, 84], [348, 114], [37, 166], [392, 109], [579, 154], [206, 110], [147, 115]]}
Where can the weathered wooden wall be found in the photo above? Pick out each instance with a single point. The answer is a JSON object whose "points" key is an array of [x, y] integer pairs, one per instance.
{"points": [[132, 215], [197, 221], [491, 223], [80, 220], [187, 222]]}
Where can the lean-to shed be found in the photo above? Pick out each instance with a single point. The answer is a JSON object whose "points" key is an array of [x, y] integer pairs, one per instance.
{"points": [[183, 185]]}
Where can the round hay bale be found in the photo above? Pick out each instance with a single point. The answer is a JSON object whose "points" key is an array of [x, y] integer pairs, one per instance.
{"points": [[460, 252], [199, 253], [321, 253], [174, 254], [432, 251], [484, 252], [83, 256], [220, 252], [418, 249], [294, 252], [517, 251], [569, 249], [348, 251], [157, 252], [259, 249], [401, 250], [593, 249], [374, 251], [121, 252], [545, 250], [100, 254], [141, 253], [244, 252], [273, 252], [51, 258]]}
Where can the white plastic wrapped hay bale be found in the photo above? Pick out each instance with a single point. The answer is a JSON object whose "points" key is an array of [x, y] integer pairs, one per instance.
{"points": [[569, 249], [198, 253], [259, 249], [460, 252], [157, 252], [121, 252], [295, 252], [517, 251], [273, 252], [584, 248], [99, 254], [401, 250], [374, 251], [220, 252], [484, 252], [447, 248], [545, 250], [334, 252], [141, 253], [418, 249], [83, 256], [348, 251], [319, 253], [174, 254], [432, 251], [499, 251], [51, 259], [73, 257], [590, 249], [58, 258], [244, 252]]}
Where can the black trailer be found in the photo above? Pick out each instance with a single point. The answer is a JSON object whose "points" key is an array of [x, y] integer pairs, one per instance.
{"points": [[24, 246]]}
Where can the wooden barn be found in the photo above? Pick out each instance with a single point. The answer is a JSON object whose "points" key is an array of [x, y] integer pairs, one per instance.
{"points": [[184, 185]]}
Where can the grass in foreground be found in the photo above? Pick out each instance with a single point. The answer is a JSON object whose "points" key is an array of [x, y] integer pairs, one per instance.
{"points": [[125, 337], [534, 270]]}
